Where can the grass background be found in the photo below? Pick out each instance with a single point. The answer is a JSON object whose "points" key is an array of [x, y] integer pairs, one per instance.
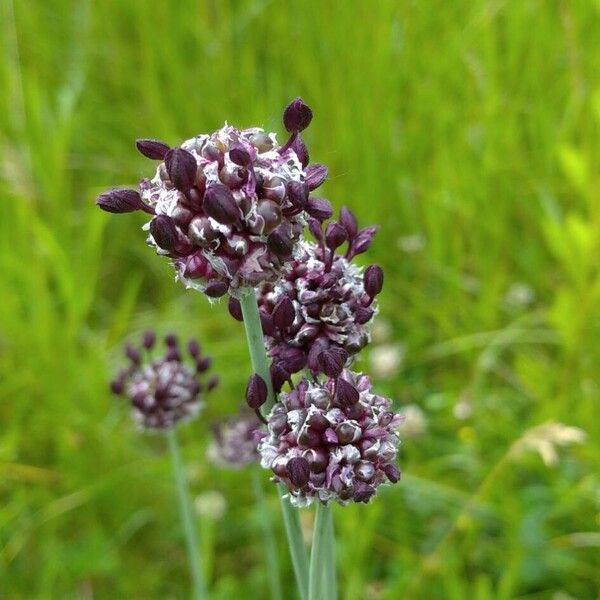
{"points": [[469, 130]]}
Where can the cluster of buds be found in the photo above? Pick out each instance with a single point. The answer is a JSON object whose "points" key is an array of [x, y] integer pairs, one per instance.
{"points": [[166, 390], [333, 440], [229, 207], [235, 440], [317, 314]]}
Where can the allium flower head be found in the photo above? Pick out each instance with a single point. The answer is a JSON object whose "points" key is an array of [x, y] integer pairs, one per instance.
{"points": [[166, 390], [235, 440], [332, 441], [318, 313], [229, 206]]}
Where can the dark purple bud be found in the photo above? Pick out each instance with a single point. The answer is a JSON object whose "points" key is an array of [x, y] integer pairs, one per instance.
{"points": [[266, 322], [298, 471], [348, 222], [297, 116], [284, 313], [335, 235], [347, 432], [239, 155], [220, 204], [313, 354], [332, 361], [363, 314], [212, 383], [299, 147], [149, 339], [133, 354], [280, 243], [154, 149], [392, 472], [279, 375], [347, 394], [235, 309], [363, 240], [117, 385], [292, 359], [203, 364], [363, 492], [181, 167], [194, 348], [171, 340], [120, 200], [315, 228], [297, 193], [373, 280], [173, 354], [216, 289], [315, 176], [319, 208], [256, 391], [164, 232]]}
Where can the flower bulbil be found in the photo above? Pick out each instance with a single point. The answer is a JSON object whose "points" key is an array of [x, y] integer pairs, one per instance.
{"points": [[334, 440], [166, 390], [229, 206]]}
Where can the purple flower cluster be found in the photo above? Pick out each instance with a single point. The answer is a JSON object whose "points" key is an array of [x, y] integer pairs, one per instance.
{"points": [[235, 440], [163, 391], [333, 440], [229, 207], [319, 309]]}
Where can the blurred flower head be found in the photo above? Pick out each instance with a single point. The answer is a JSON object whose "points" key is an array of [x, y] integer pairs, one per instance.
{"points": [[386, 359], [235, 440], [545, 439], [230, 206], [210, 504], [165, 390], [415, 421], [334, 440]]}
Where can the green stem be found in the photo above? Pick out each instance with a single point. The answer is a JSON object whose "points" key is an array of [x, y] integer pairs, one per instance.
{"points": [[329, 566], [185, 509], [317, 587], [260, 364], [268, 536]]}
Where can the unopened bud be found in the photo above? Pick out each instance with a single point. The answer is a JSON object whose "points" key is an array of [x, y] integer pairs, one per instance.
{"points": [[256, 391], [181, 167], [119, 200], [154, 149], [297, 116], [220, 204], [164, 232]]}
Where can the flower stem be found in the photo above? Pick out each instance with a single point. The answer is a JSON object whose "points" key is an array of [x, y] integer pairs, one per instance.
{"points": [[268, 536], [318, 586], [329, 566], [185, 509], [260, 364]]}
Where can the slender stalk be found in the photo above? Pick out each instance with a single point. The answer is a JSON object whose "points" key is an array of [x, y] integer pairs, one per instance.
{"points": [[185, 509], [268, 536], [330, 572], [260, 364], [317, 587]]}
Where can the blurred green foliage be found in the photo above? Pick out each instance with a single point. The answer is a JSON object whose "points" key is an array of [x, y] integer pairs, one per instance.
{"points": [[470, 130]]}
